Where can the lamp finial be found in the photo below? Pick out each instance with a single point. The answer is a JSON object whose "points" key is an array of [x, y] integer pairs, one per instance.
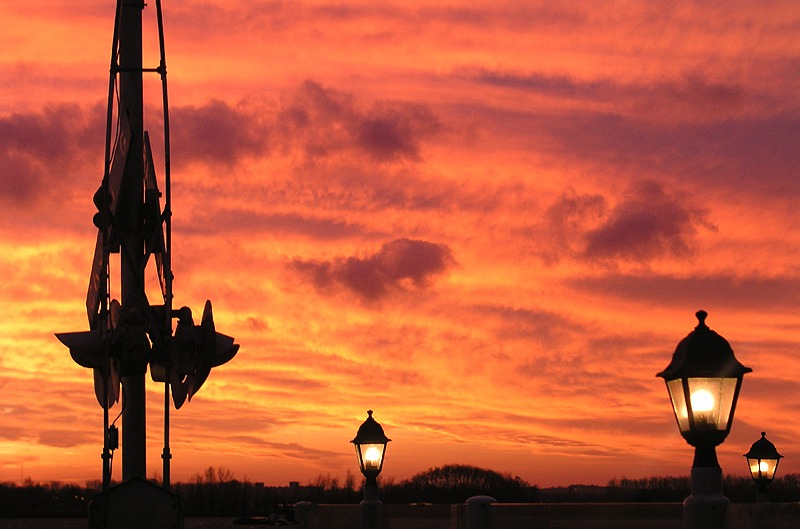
{"points": [[701, 318]]}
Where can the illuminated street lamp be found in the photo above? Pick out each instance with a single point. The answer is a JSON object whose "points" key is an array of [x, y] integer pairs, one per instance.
{"points": [[370, 442], [703, 380], [763, 459]]}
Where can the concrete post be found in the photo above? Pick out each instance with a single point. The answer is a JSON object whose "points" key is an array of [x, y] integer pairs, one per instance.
{"points": [[762, 511], [705, 507], [480, 514], [370, 505], [306, 515]]}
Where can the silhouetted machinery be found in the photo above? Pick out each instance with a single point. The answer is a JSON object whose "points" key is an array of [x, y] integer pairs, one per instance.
{"points": [[129, 344], [129, 334]]}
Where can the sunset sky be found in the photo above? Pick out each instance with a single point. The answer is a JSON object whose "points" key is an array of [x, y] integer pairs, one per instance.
{"points": [[489, 222]]}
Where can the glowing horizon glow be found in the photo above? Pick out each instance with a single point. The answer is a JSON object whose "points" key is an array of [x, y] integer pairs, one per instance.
{"points": [[491, 221]]}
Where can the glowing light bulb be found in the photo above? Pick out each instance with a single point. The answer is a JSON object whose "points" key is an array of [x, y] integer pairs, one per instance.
{"points": [[703, 406], [372, 457], [702, 400], [763, 466]]}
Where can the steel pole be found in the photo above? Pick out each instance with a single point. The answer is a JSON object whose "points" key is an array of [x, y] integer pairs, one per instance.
{"points": [[132, 255]]}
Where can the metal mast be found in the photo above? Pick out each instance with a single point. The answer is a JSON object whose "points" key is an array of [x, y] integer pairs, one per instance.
{"points": [[131, 233], [130, 335]]}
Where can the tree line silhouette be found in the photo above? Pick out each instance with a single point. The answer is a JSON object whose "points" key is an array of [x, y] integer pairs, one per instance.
{"points": [[215, 492]]}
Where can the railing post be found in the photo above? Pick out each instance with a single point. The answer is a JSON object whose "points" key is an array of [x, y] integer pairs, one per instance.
{"points": [[480, 514], [305, 514]]}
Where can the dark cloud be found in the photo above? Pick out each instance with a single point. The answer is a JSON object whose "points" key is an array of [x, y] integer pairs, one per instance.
{"points": [[61, 147], [226, 220], [324, 121], [694, 127], [218, 133], [691, 91], [318, 121], [65, 438], [565, 219], [357, 185], [44, 135], [701, 92], [12, 433], [726, 291], [554, 85], [758, 154], [647, 223], [571, 372], [392, 130], [20, 178], [549, 330], [293, 451], [43, 153], [398, 264]]}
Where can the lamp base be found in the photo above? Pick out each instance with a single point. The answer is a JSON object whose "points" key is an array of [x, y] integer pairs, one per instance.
{"points": [[370, 514], [706, 507], [370, 505]]}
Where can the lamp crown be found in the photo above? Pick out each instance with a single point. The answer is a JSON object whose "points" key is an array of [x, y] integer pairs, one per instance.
{"points": [[370, 432], [763, 449], [703, 353]]}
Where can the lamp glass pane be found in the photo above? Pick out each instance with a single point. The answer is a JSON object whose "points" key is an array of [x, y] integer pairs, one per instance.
{"points": [[371, 456], [762, 469], [675, 388], [711, 401]]}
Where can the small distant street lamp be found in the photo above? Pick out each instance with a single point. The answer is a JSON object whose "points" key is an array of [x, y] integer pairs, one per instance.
{"points": [[763, 459], [703, 380], [370, 442]]}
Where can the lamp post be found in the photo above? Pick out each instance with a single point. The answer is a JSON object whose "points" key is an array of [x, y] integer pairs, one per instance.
{"points": [[703, 380], [370, 442], [763, 459]]}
